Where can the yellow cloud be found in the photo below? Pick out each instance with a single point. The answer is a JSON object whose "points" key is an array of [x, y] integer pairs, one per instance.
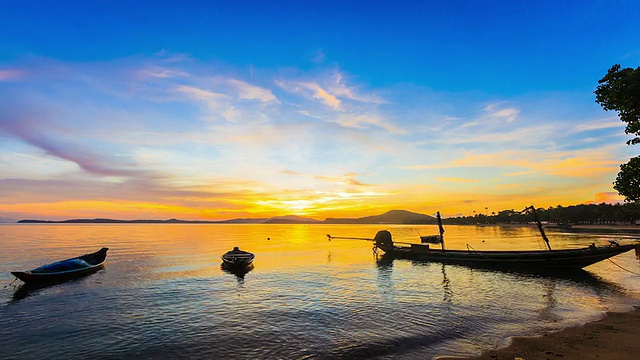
{"points": [[454, 179], [608, 197]]}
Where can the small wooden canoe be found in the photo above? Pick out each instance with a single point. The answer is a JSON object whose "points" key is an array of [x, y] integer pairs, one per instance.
{"points": [[237, 258], [65, 269]]}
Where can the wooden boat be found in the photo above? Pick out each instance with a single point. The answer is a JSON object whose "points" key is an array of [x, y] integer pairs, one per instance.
{"points": [[532, 259], [237, 258], [539, 260], [65, 269]]}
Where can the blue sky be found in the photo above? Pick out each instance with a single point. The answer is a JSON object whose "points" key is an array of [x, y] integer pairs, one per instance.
{"points": [[230, 109]]}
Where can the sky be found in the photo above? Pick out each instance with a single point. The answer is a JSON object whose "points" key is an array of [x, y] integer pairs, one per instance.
{"points": [[216, 110]]}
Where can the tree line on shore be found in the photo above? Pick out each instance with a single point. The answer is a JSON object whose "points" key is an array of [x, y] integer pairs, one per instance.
{"points": [[627, 213]]}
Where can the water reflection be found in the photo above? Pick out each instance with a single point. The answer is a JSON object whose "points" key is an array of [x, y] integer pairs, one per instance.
{"points": [[239, 272], [25, 290], [446, 285], [309, 297], [384, 261]]}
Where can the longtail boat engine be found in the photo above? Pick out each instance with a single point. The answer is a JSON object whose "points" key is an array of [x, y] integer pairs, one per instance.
{"points": [[382, 240]]}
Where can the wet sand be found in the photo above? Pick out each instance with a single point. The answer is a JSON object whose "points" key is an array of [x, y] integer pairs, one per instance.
{"points": [[616, 336]]}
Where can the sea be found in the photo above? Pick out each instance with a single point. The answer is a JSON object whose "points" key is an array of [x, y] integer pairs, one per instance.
{"points": [[163, 294]]}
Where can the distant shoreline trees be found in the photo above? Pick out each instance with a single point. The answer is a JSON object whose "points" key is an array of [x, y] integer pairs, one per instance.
{"points": [[626, 213]]}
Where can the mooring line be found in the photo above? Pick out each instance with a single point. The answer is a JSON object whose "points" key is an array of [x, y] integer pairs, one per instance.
{"points": [[627, 270], [9, 284]]}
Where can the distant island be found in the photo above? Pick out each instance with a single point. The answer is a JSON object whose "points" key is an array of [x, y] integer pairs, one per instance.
{"points": [[390, 217], [583, 214]]}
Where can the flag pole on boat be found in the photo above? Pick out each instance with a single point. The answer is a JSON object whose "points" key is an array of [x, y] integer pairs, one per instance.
{"points": [[441, 229], [532, 210]]}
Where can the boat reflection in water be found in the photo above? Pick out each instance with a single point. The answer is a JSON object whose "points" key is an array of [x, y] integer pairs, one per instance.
{"points": [[29, 289], [238, 271]]}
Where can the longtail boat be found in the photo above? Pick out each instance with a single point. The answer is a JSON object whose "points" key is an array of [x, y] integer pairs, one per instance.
{"points": [[539, 260], [65, 269]]}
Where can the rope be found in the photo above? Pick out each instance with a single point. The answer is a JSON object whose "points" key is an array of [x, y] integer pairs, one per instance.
{"points": [[627, 270], [479, 253], [9, 284]]}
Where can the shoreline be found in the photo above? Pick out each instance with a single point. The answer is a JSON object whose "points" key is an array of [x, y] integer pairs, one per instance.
{"points": [[616, 336]]}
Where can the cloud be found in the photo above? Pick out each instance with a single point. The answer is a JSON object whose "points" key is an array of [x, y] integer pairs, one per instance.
{"points": [[339, 87], [172, 57], [347, 179], [11, 75], [599, 125], [247, 91], [163, 73], [31, 132], [494, 114], [200, 94], [609, 197], [361, 122], [310, 90], [318, 57], [212, 100], [572, 164], [454, 179]]}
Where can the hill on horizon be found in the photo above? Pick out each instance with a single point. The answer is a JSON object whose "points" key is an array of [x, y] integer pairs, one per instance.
{"points": [[390, 217]]}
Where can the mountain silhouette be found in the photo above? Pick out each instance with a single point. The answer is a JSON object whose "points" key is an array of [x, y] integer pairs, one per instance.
{"points": [[390, 217]]}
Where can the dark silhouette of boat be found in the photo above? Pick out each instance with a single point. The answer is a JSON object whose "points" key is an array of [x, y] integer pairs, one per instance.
{"points": [[66, 269], [532, 259], [237, 259], [537, 260]]}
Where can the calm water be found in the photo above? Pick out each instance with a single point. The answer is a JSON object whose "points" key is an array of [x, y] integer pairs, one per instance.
{"points": [[162, 294]]}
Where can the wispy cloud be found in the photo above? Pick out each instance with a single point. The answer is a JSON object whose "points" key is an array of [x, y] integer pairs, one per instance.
{"points": [[608, 197], [311, 90], [362, 122], [172, 57], [338, 86], [10, 74], [496, 112], [454, 179], [211, 100], [601, 124], [32, 131], [162, 73], [247, 91], [347, 179], [318, 57]]}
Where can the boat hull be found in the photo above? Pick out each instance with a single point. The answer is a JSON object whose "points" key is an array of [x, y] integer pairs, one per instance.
{"points": [[236, 262], [536, 259], [95, 260], [237, 259]]}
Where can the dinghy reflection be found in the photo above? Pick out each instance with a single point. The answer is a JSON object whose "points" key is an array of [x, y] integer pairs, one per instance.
{"points": [[239, 272]]}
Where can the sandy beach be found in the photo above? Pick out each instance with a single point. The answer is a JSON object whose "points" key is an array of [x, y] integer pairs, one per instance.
{"points": [[616, 336]]}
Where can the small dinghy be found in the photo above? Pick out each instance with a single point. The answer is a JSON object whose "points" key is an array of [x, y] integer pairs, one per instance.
{"points": [[237, 258], [65, 269]]}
